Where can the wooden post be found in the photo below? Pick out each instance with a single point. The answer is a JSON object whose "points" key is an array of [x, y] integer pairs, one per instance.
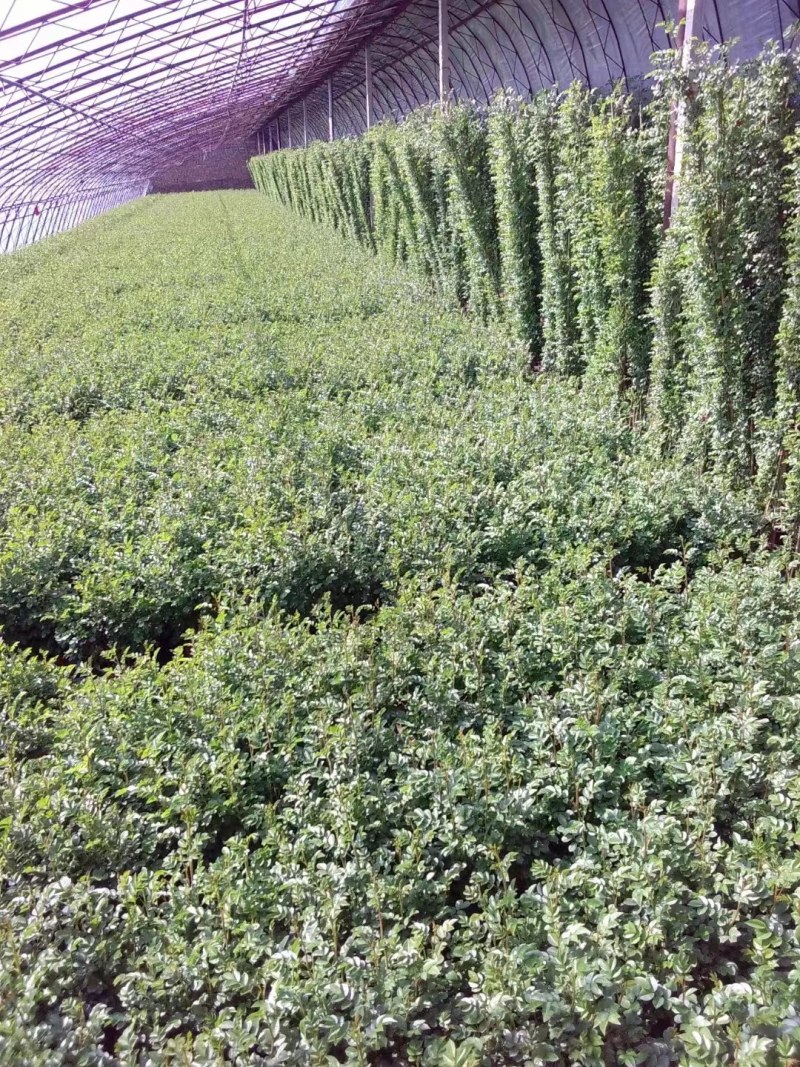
{"points": [[690, 28], [305, 125], [368, 85], [444, 52], [330, 109]]}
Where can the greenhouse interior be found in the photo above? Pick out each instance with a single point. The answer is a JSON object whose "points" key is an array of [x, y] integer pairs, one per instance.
{"points": [[400, 533]]}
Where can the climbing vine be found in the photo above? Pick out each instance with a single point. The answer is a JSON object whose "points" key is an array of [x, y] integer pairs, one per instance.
{"points": [[625, 219], [514, 179], [785, 485], [548, 214], [731, 218], [463, 143], [558, 307]]}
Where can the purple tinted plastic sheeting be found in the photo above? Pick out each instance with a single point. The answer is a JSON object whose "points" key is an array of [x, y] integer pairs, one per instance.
{"points": [[100, 96]]}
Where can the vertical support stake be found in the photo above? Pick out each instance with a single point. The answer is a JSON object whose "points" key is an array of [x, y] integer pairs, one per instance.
{"points": [[305, 124], [444, 52], [368, 85], [330, 109], [690, 28]]}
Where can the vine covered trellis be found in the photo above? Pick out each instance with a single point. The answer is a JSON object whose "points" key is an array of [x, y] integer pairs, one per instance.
{"points": [[548, 214]]}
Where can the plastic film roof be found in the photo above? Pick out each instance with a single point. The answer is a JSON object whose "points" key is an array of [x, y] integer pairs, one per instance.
{"points": [[97, 96], [525, 45]]}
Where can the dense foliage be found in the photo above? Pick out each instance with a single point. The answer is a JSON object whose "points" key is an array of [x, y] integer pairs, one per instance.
{"points": [[548, 214], [364, 700]]}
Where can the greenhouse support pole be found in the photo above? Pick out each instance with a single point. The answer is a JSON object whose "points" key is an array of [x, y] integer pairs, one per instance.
{"points": [[444, 52], [18, 233], [38, 225], [368, 85], [72, 221], [278, 132], [26, 234], [75, 214], [62, 219], [305, 125], [269, 131], [330, 109], [32, 231], [68, 216], [7, 233], [690, 27], [48, 210], [9, 226], [289, 125], [54, 220], [50, 224], [12, 228]]}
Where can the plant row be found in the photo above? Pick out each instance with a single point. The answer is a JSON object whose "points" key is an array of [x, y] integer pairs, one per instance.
{"points": [[549, 214], [361, 700]]}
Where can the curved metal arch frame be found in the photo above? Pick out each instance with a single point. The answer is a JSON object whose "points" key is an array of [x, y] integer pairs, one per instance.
{"points": [[134, 86], [97, 96]]}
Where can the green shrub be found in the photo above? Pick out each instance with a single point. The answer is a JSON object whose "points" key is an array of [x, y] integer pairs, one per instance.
{"points": [[547, 215], [731, 265], [514, 180], [361, 699], [559, 306]]}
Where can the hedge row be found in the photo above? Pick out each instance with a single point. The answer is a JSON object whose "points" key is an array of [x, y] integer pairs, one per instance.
{"points": [[396, 712], [549, 214]]}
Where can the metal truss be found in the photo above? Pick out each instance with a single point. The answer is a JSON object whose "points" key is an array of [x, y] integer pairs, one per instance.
{"points": [[98, 96], [103, 94], [524, 45]]}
